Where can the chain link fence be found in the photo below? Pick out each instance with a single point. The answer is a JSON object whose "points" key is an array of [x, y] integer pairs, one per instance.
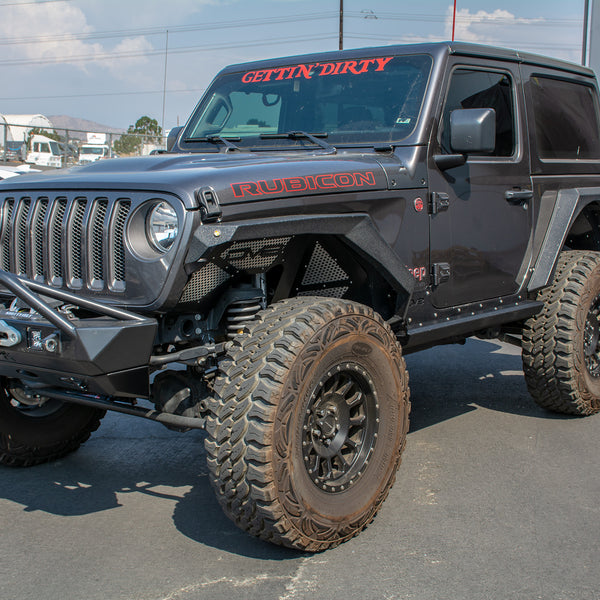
{"points": [[60, 147]]}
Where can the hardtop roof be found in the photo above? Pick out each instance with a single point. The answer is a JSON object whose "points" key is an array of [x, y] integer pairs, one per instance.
{"points": [[437, 50]]}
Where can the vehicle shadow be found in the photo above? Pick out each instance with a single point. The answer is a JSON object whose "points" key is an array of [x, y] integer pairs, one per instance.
{"points": [[113, 466], [449, 381], [129, 456]]}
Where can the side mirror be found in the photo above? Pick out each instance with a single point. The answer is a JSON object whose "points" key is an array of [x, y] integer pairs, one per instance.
{"points": [[173, 135], [473, 130]]}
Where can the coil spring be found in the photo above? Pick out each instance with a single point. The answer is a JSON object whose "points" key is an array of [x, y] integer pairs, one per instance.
{"points": [[239, 313]]}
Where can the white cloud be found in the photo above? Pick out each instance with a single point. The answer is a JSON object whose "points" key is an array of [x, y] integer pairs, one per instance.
{"points": [[503, 28], [484, 27], [59, 25]]}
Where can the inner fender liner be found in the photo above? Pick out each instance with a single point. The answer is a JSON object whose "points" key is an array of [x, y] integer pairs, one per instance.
{"points": [[357, 230]]}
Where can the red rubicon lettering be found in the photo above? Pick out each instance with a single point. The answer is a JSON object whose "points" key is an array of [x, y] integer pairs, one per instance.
{"points": [[325, 181], [295, 184], [271, 187], [300, 183], [367, 178], [247, 187], [307, 71], [343, 179]]}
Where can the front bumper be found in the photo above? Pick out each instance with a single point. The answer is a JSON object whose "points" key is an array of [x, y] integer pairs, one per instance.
{"points": [[106, 353]]}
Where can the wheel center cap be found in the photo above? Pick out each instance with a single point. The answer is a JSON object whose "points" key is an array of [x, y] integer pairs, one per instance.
{"points": [[327, 425]]}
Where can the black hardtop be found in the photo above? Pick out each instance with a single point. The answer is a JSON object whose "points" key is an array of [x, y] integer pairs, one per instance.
{"points": [[437, 50]]}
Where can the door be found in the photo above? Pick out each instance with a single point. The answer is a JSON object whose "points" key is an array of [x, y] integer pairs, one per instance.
{"points": [[481, 224]]}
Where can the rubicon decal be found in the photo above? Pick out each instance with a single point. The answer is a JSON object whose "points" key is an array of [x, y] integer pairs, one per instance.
{"points": [[303, 184], [308, 71]]}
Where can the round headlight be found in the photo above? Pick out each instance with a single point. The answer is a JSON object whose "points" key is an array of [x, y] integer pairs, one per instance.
{"points": [[162, 226]]}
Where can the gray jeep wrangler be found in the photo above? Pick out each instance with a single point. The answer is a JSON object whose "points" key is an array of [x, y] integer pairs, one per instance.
{"points": [[317, 217]]}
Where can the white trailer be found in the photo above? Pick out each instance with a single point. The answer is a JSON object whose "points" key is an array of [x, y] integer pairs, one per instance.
{"points": [[44, 152], [95, 149]]}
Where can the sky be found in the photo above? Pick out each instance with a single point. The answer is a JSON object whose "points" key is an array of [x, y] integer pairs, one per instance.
{"points": [[104, 60]]}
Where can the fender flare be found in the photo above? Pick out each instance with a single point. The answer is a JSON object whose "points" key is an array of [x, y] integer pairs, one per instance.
{"points": [[357, 230], [567, 207]]}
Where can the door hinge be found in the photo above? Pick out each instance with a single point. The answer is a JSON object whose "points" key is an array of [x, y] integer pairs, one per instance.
{"points": [[210, 209], [440, 273], [439, 202]]}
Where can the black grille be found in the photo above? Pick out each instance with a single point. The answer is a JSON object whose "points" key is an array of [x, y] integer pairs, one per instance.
{"points": [[74, 242], [37, 229]]}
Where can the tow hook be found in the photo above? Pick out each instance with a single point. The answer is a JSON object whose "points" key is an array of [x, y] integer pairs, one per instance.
{"points": [[9, 336]]}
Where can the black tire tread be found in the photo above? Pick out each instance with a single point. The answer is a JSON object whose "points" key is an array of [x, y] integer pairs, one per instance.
{"points": [[17, 454], [242, 415], [548, 338]]}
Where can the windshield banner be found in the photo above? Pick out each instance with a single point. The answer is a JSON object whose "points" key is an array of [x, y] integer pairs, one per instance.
{"points": [[308, 71]]}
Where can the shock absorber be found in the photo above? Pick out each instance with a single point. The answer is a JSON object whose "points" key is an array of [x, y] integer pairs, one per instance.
{"points": [[239, 313]]}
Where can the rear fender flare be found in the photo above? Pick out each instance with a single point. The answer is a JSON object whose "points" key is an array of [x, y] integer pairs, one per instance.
{"points": [[568, 206]]}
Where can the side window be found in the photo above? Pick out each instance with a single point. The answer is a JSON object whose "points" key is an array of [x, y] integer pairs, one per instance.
{"points": [[566, 119], [471, 88]]}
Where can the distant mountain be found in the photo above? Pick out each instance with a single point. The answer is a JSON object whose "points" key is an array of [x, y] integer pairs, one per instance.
{"points": [[83, 125]]}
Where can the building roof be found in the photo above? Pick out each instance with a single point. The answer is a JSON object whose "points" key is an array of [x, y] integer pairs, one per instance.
{"points": [[20, 125]]}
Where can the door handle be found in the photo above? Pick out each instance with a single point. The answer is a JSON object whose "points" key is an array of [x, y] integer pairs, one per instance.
{"points": [[518, 196]]}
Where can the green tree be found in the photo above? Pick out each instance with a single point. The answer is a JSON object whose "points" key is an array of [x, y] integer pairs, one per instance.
{"points": [[49, 134], [149, 128], [145, 130], [128, 144]]}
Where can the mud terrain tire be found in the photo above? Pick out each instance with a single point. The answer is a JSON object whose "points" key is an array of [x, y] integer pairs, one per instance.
{"points": [[308, 422], [30, 435], [561, 344]]}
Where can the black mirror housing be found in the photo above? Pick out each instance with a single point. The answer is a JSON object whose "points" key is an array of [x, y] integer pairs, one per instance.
{"points": [[172, 138], [473, 130]]}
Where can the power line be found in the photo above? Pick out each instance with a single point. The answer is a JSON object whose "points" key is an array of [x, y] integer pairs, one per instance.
{"points": [[2, 5], [98, 94], [146, 53], [471, 18], [142, 31]]}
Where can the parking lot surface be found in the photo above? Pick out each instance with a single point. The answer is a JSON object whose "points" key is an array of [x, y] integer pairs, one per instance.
{"points": [[495, 498]]}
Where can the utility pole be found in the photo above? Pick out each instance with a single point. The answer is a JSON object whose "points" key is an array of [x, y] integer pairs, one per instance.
{"points": [[586, 11], [165, 85], [454, 20], [341, 38]]}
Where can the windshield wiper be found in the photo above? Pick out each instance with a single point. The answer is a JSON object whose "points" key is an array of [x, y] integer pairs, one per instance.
{"points": [[217, 139], [296, 135]]}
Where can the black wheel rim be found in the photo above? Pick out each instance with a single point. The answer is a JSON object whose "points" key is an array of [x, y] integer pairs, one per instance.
{"points": [[591, 339], [340, 428]]}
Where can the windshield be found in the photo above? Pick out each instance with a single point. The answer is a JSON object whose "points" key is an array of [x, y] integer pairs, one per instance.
{"points": [[88, 150], [348, 102]]}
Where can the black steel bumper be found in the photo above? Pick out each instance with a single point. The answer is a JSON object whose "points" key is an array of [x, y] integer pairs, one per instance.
{"points": [[106, 353]]}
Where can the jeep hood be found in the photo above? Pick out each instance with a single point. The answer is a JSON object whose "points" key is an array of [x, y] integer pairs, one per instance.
{"points": [[233, 177]]}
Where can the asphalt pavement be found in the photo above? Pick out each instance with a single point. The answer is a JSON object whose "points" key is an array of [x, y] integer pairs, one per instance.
{"points": [[495, 499]]}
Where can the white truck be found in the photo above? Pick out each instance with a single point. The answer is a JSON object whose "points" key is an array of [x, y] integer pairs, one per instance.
{"points": [[44, 152], [95, 149]]}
